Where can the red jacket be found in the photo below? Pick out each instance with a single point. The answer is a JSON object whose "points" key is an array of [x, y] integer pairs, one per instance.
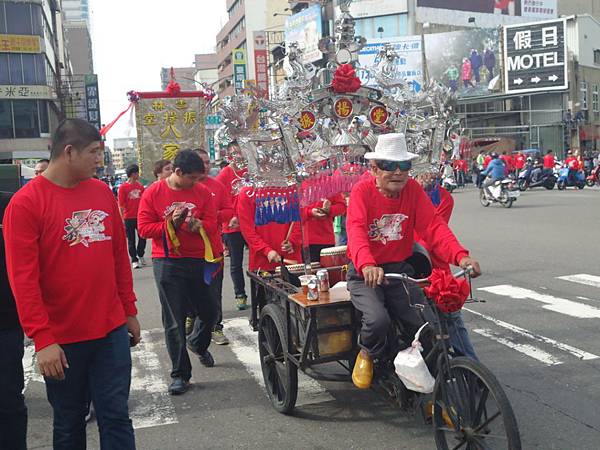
{"points": [[129, 198], [486, 161], [159, 201], [226, 177], [549, 161], [572, 162], [221, 198], [520, 161], [444, 211], [67, 262], [381, 230], [320, 230], [264, 238]]}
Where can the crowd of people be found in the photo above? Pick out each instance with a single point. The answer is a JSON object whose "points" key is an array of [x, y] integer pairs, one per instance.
{"points": [[71, 247]]}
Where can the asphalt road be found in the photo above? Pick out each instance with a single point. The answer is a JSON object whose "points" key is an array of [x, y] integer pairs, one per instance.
{"points": [[538, 333]]}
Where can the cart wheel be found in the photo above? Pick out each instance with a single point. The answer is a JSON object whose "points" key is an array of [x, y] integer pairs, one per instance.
{"points": [[280, 375]]}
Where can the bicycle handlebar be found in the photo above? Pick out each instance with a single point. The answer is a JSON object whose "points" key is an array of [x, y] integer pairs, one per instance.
{"points": [[403, 277]]}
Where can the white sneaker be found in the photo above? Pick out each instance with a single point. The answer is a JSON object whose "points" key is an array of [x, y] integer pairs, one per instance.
{"points": [[136, 265], [142, 261]]}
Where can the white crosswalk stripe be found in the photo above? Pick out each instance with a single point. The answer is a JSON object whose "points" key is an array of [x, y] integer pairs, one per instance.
{"points": [[150, 403], [583, 278], [244, 343], [578, 353], [526, 349], [556, 304]]}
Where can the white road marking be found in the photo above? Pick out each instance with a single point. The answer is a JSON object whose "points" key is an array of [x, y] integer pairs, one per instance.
{"points": [[578, 353], [556, 304], [29, 367], [151, 404], [583, 278], [244, 343], [526, 349], [583, 298]]}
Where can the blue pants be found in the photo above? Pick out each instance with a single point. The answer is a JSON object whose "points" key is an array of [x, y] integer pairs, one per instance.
{"points": [[459, 336], [13, 412], [101, 369]]}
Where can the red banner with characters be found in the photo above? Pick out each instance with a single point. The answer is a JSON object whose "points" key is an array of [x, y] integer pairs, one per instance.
{"points": [[261, 63]]}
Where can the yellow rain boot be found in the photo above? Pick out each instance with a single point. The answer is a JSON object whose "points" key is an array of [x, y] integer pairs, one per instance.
{"points": [[362, 375]]}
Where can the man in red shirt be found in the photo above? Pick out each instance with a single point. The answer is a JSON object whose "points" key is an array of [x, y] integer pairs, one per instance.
{"points": [[179, 215], [572, 162], [224, 214], [232, 234], [383, 215], [68, 267], [318, 220], [519, 162], [130, 194], [549, 161]]}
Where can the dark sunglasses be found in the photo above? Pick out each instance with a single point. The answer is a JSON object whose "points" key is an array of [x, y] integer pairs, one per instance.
{"points": [[392, 166]]}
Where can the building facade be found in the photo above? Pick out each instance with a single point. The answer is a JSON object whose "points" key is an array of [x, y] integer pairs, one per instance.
{"points": [[183, 75], [245, 17], [30, 77], [124, 153]]}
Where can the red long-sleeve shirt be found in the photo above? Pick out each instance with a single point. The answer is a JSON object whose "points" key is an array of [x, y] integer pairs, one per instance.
{"points": [[159, 201], [444, 211], [222, 200], [130, 195], [226, 177], [264, 238], [67, 262], [381, 229], [320, 229]]}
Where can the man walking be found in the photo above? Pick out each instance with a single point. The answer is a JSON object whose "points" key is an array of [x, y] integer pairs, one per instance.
{"points": [[130, 194], [13, 412], [179, 215], [225, 212], [232, 234], [68, 267]]}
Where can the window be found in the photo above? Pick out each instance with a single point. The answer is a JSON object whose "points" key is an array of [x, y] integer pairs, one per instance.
{"points": [[28, 68], [18, 18], [23, 118], [2, 21], [583, 88], [6, 126], [595, 105], [15, 67], [597, 56], [4, 72]]}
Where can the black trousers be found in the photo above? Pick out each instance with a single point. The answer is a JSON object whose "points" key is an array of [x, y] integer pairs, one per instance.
{"points": [[315, 251], [13, 412], [181, 289], [135, 252], [235, 243], [378, 305]]}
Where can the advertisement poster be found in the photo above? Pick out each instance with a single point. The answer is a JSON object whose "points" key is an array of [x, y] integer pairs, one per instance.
{"points": [[535, 57], [409, 66], [305, 28], [543, 9], [239, 69], [166, 125], [468, 62], [261, 63]]}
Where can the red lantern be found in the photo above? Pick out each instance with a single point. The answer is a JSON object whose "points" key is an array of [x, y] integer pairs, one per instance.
{"points": [[378, 115], [343, 108], [307, 120]]}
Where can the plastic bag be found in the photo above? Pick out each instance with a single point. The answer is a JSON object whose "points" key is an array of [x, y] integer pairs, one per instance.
{"points": [[411, 368]]}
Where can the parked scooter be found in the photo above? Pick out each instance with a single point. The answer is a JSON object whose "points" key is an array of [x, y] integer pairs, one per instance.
{"points": [[564, 181], [503, 191], [532, 176], [449, 183], [594, 177]]}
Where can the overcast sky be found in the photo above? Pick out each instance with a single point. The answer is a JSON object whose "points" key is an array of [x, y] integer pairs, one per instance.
{"points": [[133, 39]]}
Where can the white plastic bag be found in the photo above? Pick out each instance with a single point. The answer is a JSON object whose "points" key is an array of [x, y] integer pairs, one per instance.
{"points": [[411, 367]]}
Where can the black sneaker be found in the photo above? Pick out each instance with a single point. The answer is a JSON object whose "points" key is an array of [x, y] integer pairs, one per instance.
{"points": [[178, 386], [207, 359]]}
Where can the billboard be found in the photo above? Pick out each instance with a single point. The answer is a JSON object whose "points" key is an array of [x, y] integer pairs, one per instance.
{"points": [[306, 29], [238, 57], [468, 62], [261, 63], [535, 57], [526, 8], [375, 8], [92, 100], [409, 65]]}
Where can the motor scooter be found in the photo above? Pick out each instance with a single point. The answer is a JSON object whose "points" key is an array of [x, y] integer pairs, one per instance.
{"points": [[564, 181]]}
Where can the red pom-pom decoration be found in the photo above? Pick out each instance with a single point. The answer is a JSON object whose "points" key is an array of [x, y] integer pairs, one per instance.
{"points": [[173, 88], [448, 293], [345, 79]]}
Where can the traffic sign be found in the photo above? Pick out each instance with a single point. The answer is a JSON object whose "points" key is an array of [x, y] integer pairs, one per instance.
{"points": [[535, 57]]}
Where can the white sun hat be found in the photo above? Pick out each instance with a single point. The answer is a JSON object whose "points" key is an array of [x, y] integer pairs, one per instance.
{"points": [[391, 147]]}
